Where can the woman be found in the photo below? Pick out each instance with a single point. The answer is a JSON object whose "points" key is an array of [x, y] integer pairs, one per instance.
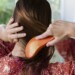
{"points": [[27, 14], [34, 16]]}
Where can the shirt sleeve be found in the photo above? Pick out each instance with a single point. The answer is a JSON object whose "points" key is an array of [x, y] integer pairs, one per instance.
{"points": [[11, 66], [5, 48], [67, 49], [66, 68]]}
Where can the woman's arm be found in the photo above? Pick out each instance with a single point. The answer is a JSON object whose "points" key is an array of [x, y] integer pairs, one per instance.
{"points": [[60, 30], [7, 35]]}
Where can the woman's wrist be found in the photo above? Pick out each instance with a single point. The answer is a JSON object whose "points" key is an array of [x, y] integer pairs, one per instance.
{"points": [[71, 30], [4, 35]]}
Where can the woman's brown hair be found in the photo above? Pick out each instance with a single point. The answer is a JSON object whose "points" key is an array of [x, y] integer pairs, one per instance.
{"points": [[35, 17]]}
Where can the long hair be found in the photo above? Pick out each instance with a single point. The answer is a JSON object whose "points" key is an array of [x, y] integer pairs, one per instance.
{"points": [[35, 17]]}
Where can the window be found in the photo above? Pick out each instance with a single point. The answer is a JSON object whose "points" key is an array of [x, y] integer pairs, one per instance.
{"points": [[56, 9], [6, 10]]}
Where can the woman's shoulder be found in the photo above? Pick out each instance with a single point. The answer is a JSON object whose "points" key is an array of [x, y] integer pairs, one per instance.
{"points": [[5, 48], [66, 68], [66, 43], [67, 48]]}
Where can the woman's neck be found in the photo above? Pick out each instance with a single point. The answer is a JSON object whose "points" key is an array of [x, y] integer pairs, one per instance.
{"points": [[19, 49]]}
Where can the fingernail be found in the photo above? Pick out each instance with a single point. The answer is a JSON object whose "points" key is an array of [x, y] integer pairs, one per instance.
{"points": [[24, 34], [22, 27], [47, 45], [36, 37]]}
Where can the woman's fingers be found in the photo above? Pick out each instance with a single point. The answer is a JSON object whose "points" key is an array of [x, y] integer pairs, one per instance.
{"points": [[15, 30], [17, 36], [44, 35], [12, 31], [10, 21], [12, 26]]}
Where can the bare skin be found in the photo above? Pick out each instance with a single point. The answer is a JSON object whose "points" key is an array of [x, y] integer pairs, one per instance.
{"points": [[60, 30], [10, 32]]}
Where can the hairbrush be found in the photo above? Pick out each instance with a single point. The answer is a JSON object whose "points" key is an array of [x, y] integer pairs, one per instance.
{"points": [[34, 46]]}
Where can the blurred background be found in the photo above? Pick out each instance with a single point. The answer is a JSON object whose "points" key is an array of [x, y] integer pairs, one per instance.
{"points": [[6, 10], [7, 7], [61, 10]]}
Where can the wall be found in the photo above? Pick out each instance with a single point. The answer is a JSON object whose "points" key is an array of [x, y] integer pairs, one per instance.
{"points": [[68, 10]]}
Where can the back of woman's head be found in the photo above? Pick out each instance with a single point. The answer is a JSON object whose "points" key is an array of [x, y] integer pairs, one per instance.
{"points": [[35, 17]]}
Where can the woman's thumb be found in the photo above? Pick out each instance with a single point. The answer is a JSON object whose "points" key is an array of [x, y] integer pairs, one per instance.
{"points": [[44, 35]]}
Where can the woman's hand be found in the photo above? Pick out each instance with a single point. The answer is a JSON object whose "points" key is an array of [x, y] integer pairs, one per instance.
{"points": [[10, 32], [60, 30]]}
